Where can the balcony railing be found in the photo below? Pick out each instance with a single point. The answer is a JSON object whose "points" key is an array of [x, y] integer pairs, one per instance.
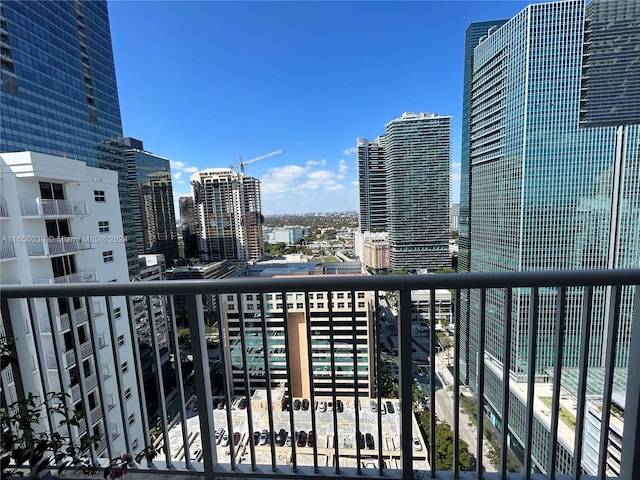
{"points": [[36, 207], [57, 246], [7, 250], [4, 211], [532, 347], [83, 276]]}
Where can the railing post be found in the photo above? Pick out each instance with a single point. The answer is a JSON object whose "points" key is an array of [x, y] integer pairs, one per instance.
{"points": [[202, 383], [630, 464], [406, 384]]}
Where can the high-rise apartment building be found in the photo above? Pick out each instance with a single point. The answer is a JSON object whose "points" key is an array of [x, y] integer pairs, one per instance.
{"points": [[228, 210], [188, 227], [58, 94], [372, 185], [541, 194], [152, 200], [61, 223], [417, 149]]}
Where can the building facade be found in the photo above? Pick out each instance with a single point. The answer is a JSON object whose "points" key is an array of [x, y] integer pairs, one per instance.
{"points": [[152, 200], [372, 185], [417, 149], [59, 95], [339, 321], [228, 210], [545, 194], [63, 225], [188, 227]]}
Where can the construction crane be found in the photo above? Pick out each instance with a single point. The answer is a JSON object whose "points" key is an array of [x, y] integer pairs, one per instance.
{"points": [[261, 157]]}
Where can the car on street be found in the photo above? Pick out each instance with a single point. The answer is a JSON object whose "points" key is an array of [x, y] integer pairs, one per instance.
{"points": [[196, 455], [225, 440], [256, 438], [242, 404], [330, 406], [360, 440], [236, 438], [263, 437], [369, 441], [339, 406], [219, 432], [322, 406], [390, 408], [221, 405], [302, 438], [296, 404], [281, 437], [310, 438], [374, 406], [383, 410], [417, 446], [305, 404]]}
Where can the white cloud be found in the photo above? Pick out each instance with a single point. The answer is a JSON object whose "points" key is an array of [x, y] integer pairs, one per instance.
{"points": [[455, 166], [311, 163], [177, 175], [350, 151], [178, 168], [191, 169], [455, 177]]}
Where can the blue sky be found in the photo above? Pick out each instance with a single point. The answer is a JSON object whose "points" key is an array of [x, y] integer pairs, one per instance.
{"points": [[203, 83]]}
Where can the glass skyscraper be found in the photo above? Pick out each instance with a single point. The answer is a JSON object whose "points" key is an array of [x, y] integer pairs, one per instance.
{"points": [[59, 93], [372, 185], [417, 150], [542, 193]]}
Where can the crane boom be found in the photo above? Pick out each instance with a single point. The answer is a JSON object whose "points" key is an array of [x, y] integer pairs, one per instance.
{"points": [[253, 160]]}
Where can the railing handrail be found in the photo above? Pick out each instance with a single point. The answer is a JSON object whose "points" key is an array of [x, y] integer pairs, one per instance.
{"points": [[569, 278]]}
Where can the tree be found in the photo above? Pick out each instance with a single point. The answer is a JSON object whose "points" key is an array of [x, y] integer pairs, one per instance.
{"points": [[388, 385], [444, 444]]}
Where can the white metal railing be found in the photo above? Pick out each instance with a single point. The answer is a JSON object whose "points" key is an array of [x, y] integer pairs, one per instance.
{"points": [[554, 296], [83, 276], [7, 250], [57, 246], [4, 212], [70, 357], [86, 349], [91, 382], [36, 207]]}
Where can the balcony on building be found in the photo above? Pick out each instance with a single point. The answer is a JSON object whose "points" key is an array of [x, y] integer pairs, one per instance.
{"points": [[38, 207], [7, 250], [4, 212], [57, 246], [184, 426], [83, 276]]}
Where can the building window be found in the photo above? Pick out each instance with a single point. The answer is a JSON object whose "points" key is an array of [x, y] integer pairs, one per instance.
{"points": [[341, 295], [360, 304], [279, 306], [340, 304], [320, 304], [230, 298], [125, 367], [132, 419], [311, 305], [103, 227], [360, 294], [250, 306], [320, 296], [121, 340], [127, 394], [116, 312], [250, 297], [299, 305], [269, 296], [232, 306], [289, 305], [134, 444], [99, 196], [107, 256]]}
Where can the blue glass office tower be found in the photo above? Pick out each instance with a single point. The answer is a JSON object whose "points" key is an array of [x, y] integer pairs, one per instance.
{"points": [[475, 32], [59, 93], [542, 188]]}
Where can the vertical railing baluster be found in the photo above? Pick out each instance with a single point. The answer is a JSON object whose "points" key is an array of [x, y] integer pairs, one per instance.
{"points": [[406, 384], [159, 381], [247, 394], [630, 464], [227, 361], [247, 380], [456, 387], [610, 363], [311, 386], [432, 380], [356, 392], [197, 335], [267, 376], [583, 365], [289, 390], [378, 373], [506, 374], [180, 383], [480, 394], [332, 348], [557, 371], [531, 379]]}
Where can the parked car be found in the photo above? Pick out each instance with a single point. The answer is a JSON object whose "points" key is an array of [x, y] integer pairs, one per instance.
{"points": [[281, 437], [417, 446], [221, 405], [195, 406], [256, 438], [322, 406], [225, 440], [196, 455], [302, 438], [263, 437], [305, 404], [383, 410], [219, 432], [242, 404], [296, 404], [374, 406], [236, 438], [310, 438], [390, 408], [360, 440], [287, 405], [369, 441], [339, 406]]}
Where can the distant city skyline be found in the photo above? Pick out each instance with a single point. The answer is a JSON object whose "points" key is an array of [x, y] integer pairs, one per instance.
{"points": [[204, 83]]}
